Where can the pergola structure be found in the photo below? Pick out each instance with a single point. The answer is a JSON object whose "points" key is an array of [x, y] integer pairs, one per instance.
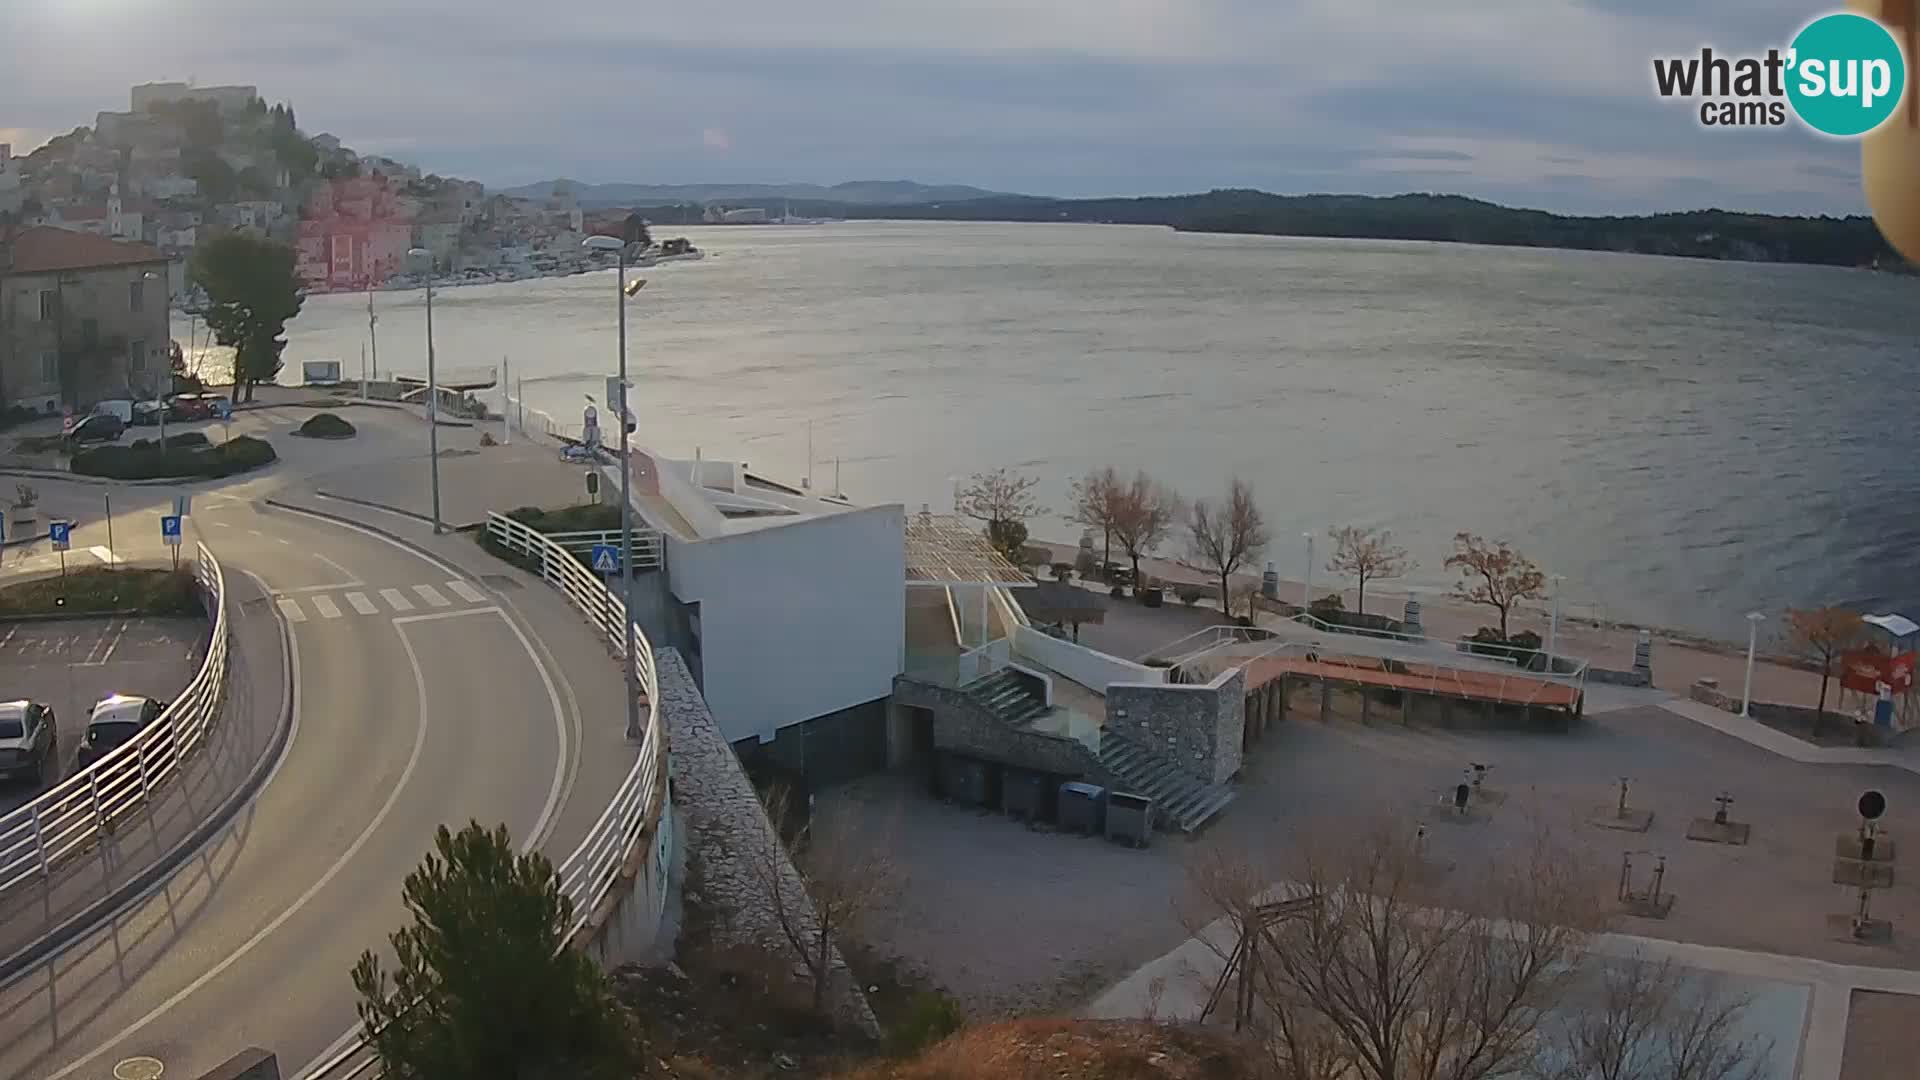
{"points": [[944, 551]]}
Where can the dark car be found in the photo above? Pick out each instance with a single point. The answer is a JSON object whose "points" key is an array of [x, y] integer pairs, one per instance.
{"points": [[190, 406], [100, 427], [148, 413], [113, 722], [29, 740]]}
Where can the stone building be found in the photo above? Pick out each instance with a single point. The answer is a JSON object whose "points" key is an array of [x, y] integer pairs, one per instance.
{"points": [[82, 318]]}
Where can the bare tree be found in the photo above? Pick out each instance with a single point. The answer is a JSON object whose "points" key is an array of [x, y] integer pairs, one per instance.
{"points": [[1003, 499], [1143, 515], [1493, 574], [1095, 498], [1653, 1021], [1369, 555], [1823, 634], [1381, 970], [1226, 535], [843, 877]]}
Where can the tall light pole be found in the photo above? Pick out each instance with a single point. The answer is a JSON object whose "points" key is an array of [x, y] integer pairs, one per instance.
{"points": [[1306, 586], [433, 393], [168, 377], [1553, 620], [619, 407], [1754, 619]]}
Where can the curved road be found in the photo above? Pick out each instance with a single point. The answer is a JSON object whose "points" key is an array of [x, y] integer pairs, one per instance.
{"points": [[419, 701]]}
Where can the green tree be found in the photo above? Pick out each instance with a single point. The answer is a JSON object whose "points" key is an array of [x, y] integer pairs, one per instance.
{"points": [[485, 987], [1001, 498], [252, 291]]}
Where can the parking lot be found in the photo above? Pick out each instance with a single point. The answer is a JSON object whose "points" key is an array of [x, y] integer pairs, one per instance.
{"points": [[72, 663]]}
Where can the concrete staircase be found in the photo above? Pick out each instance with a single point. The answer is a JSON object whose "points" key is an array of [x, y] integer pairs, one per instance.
{"points": [[1179, 799], [1010, 696]]}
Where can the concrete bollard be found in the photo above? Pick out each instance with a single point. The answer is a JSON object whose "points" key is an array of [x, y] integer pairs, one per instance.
{"points": [[1270, 583], [1412, 619], [1643, 656]]}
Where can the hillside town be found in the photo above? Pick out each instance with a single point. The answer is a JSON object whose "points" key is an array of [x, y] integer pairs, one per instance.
{"points": [[185, 162]]}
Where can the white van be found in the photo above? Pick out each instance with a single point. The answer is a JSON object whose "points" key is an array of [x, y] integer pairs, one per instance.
{"points": [[120, 407]]}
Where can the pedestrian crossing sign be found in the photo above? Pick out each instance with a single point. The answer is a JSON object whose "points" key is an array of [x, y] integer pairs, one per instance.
{"points": [[606, 559]]}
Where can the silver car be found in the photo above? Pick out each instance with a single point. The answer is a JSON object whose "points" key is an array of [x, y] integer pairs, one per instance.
{"points": [[29, 740]]}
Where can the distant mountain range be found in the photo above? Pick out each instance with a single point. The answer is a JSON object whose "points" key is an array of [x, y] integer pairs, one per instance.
{"points": [[852, 193]]}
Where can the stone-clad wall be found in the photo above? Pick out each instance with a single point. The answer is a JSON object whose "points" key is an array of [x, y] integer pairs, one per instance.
{"points": [[963, 725], [728, 831], [1200, 729]]}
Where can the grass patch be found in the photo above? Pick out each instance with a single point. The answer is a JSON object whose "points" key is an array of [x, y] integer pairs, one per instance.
{"points": [[147, 460], [326, 425], [581, 517], [39, 444], [101, 589]]}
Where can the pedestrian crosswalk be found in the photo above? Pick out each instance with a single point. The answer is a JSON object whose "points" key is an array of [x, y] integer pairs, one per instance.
{"points": [[323, 604]]}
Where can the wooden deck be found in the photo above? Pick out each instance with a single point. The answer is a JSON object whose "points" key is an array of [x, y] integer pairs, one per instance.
{"points": [[1466, 685]]}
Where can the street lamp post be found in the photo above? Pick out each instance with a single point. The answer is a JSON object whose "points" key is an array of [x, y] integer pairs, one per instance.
{"points": [[433, 392], [168, 377], [1754, 620], [1553, 620], [622, 292], [1306, 586]]}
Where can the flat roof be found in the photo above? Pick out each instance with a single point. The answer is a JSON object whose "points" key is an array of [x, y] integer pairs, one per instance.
{"points": [[946, 550]]}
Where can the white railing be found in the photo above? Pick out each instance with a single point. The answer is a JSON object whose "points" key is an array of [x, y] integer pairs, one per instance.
{"points": [[589, 874], [1090, 668], [983, 660], [66, 821], [646, 544]]}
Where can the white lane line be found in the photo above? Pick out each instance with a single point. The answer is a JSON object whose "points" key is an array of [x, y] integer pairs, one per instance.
{"points": [[438, 615], [361, 604], [223, 525], [283, 540], [344, 572], [118, 633], [257, 532], [305, 898], [466, 592], [396, 600], [316, 588], [432, 596], [104, 554], [325, 606], [11, 630], [291, 609]]}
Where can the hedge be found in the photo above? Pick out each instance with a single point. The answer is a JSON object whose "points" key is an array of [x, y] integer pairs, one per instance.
{"points": [[102, 589], [326, 425], [145, 460]]}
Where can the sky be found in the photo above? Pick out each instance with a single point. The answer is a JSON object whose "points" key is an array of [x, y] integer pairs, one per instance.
{"points": [[1540, 103]]}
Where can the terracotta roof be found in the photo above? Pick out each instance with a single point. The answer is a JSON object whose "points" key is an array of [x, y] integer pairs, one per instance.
{"points": [[43, 249]]}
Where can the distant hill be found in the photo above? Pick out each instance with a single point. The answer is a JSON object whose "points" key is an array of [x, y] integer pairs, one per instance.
{"points": [[852, 193], [1706, 234]]}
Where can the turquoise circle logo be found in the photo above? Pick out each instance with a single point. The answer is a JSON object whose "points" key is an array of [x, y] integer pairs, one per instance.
{"points": [[1847, 75]]}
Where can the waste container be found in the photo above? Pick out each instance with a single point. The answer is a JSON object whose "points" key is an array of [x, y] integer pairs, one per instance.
{"points": [[963, 780], [1081, 807], [1129, 818], [1022, 794]]}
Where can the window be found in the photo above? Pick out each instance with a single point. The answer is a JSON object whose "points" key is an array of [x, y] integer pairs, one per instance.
{"points": [[50, 367], [49, 305], [137, 354], [136, 295]]}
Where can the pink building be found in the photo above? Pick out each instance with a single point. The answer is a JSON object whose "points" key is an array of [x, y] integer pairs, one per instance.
{"points": [[354, 234]]}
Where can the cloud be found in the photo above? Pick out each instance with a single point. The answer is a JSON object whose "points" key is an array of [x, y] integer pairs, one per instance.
{"points": [[1504, 99]]}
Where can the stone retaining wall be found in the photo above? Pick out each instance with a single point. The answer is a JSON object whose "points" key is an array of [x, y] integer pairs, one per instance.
{"points": [[963, 725], [1708, 692], [1199, 729], [726, 828], [1624, 678]]}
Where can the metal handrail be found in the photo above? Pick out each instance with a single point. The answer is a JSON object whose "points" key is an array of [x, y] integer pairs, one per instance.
{"points": [[67, 819], [588, 875]]}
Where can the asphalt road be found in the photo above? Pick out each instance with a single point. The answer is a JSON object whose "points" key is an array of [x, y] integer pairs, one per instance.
{"points": [[72, 663], [418, 702]]}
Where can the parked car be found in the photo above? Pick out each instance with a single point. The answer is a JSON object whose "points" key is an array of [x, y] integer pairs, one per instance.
{"points": [[29, 740], [148, 413], [190, 406], [100, 427], [113, 721]]}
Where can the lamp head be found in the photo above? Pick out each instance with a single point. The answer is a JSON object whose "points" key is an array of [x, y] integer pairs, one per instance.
{"points": [[636, 285]]}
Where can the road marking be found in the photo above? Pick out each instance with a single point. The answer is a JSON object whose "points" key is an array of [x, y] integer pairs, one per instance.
{"points": [[438, 615], [325, 606], [11, 630], [466, 592], [344, 572], [291, 609], [361, 604], [104, 554], [115, 643], [223, 525], [395, 600], [256, 532], [305, 898], [316, 588], [432, 596]]}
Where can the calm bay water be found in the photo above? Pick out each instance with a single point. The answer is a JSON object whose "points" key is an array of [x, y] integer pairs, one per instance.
{"points": [[1684, 441]]}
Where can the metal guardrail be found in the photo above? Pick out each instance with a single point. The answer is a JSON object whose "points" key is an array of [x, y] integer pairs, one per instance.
{"points": [[646, 544], [588, 875], [67, 820]]}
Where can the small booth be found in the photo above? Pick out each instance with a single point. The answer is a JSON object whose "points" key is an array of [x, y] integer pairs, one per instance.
{"points": [[1876, 679]]}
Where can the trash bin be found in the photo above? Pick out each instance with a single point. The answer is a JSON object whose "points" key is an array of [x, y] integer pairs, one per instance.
{"points": [[1081, 808], [1021, 795], [1129, 818], [963, 780]]}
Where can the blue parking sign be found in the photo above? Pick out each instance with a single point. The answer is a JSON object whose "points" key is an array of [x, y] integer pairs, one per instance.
{"points": [[57, 532], [606, 559], [170, 529]]}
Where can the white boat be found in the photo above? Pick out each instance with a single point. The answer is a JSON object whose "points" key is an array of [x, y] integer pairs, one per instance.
{"points": [[678, 249]]}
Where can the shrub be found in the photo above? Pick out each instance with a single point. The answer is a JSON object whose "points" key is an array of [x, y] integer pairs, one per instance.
{"points": [[187, 438], [146, 460], [1191, 594], [1329, 602], [1063, 571], [930, 1018], [25, 496], [326, 425], [100, 589], [487, 439]]}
